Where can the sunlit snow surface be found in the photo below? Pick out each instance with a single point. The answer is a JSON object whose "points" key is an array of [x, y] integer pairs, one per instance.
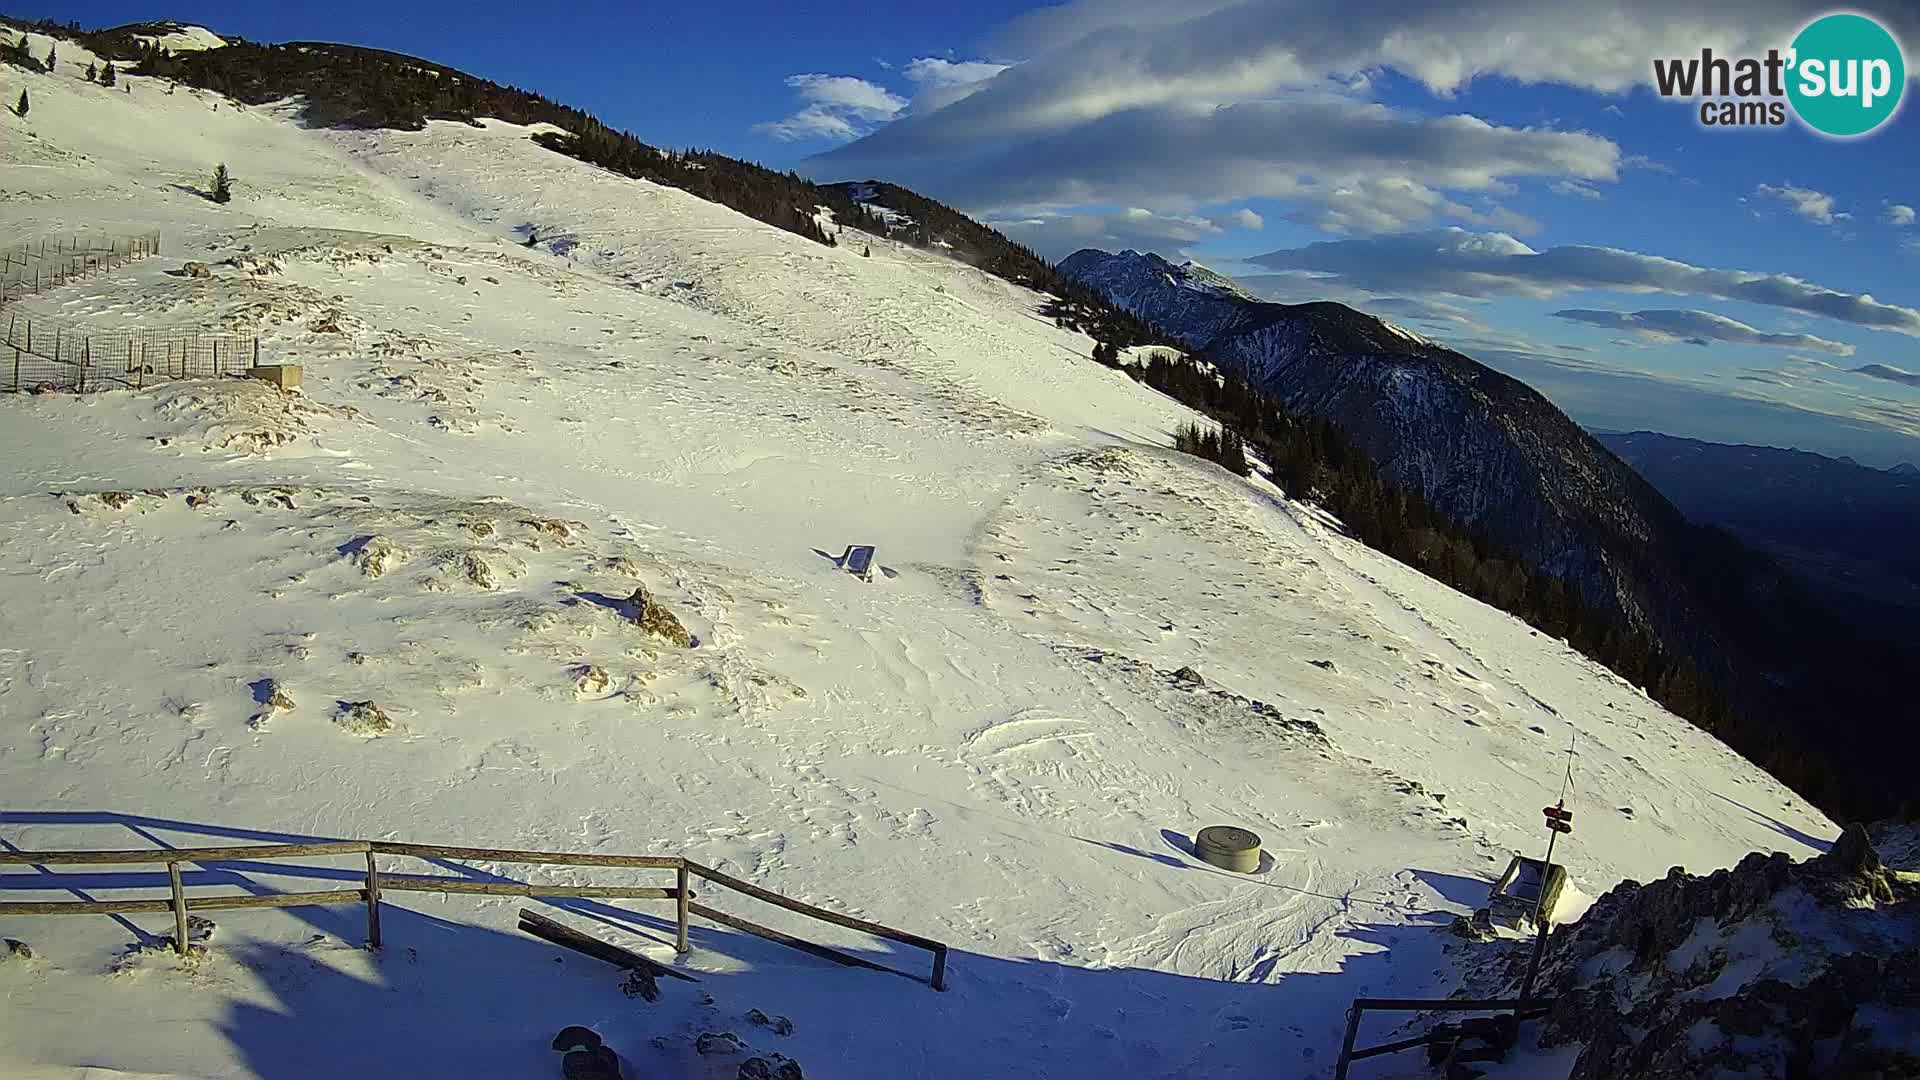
{"points": [[984, 745]]}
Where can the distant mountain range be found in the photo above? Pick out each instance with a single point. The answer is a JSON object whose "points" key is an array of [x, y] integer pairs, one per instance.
{"points": [[1852, 530], [1482, 447], [1501, 460]]}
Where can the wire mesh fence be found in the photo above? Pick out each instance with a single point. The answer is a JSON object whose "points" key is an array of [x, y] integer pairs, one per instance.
{"points": [[34, 267], [48, 354]]}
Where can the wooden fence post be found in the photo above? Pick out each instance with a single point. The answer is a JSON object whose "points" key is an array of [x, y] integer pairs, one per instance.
{"points": [[680, 926], [16, 368], [373, 901], [179, 909]]}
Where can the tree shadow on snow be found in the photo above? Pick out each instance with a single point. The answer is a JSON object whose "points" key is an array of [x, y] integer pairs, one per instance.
{"points": [[452, 998]]}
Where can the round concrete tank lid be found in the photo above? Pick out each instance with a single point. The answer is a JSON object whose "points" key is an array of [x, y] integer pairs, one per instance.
{"points": [[1229, 847]]}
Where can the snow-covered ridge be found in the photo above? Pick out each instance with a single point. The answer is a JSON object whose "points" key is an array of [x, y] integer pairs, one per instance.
{"points": [[179, 38], [987, 744]]}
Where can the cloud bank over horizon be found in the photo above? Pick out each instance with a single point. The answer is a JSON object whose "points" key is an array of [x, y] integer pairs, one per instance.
{"points": [[1407, 155]]}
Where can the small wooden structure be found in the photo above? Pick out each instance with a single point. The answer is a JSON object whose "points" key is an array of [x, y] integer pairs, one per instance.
{"points": [[1528, 886], [283, 376]]}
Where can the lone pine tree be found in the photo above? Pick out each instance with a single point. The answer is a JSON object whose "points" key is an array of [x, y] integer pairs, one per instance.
{"points": [[222, 184]]}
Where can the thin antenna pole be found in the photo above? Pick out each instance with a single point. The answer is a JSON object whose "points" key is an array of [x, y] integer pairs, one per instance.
{"points": [[1546, 875]]}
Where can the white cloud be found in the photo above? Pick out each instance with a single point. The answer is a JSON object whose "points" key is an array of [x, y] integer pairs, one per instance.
{"points": [[1247, 219], [1889, 373], [836, 107], [1351, 166], [1456, 262], [942, 82], [1181, 106], [1170, 235], [1575, 188], [1093, 56], [856, 96], [934, 71], [1815, 206], [1699, 328], [1899, 215]]}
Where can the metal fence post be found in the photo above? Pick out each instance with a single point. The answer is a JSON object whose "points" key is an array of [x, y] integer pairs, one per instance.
{"points": [[1346, 1047]]}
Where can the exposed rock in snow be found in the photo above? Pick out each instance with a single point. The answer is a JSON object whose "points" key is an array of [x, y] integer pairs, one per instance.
{"points": [[779, 1025], [364, 718], [718, 1042], [655, 618], [1772, 968], [375, 555], [591, 681]]}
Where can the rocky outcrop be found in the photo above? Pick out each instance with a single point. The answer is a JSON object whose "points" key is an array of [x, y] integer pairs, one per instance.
{"points": [[364, 718], [656, 619], [375, 555], [1770, 969]]}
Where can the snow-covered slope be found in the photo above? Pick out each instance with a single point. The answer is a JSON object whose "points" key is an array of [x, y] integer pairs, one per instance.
{"points": [[177, 37], [985, 745]]}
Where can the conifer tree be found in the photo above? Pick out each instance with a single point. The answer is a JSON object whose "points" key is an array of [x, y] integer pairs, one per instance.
{"points": [[53, 57], [93, 73], [107, 75], [21, 109], [222, 184], [1233, 453]]}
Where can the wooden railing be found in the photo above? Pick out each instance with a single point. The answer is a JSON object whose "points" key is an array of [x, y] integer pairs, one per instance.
{"points": [[378, 882]]}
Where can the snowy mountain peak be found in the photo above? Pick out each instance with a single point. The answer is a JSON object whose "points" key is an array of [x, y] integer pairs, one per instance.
{"points": [[178, 37], [1089, 264]]}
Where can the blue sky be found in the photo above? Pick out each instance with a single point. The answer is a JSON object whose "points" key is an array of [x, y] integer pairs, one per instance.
{"points": [[1498, 174]]}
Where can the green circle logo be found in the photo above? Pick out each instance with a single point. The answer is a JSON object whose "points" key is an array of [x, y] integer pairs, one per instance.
{"points": [[1847, 75]]}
